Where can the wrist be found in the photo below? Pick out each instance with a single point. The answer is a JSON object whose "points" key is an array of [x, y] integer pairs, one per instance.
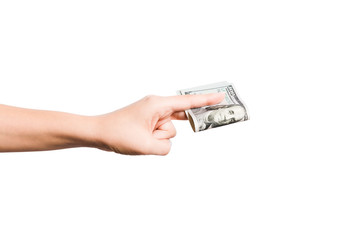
{"points": [[89, 132]]}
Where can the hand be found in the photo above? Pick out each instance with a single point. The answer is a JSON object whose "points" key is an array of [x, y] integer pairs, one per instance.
{"points": [[145, 127]]}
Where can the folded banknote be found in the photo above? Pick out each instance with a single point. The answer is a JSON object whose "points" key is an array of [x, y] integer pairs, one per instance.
{"points": [[232, 109]]}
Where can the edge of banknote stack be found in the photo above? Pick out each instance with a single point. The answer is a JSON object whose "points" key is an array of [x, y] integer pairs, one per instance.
{"points": [[231, 110]]}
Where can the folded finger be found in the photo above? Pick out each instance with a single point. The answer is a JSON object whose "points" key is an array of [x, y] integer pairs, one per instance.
{"points": [[179, 116], [165, 131]]}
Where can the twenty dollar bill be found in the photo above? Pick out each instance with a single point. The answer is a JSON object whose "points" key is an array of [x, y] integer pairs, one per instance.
{"points": [[230, 110]]}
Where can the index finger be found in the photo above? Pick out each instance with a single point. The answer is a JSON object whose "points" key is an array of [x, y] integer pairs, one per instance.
{"points": [[185, 102]]}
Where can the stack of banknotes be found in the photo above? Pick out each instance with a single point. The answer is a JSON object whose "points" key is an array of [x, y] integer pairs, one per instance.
{"points": [[230, 110]]}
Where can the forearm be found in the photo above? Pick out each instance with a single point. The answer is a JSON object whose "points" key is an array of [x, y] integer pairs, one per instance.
{"points": [[33, 130]]}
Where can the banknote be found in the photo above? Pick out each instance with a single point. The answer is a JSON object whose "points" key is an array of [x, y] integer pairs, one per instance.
{"points": [[232, 109]]}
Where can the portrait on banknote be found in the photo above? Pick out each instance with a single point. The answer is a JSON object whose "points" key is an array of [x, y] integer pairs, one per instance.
{"points": [[219, 115]]}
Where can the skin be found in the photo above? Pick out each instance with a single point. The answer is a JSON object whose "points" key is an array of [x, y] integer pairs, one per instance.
{"points": [[142, 128]]}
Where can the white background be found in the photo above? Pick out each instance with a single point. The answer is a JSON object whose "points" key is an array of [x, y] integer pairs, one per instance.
{"points": [[291, 172]]}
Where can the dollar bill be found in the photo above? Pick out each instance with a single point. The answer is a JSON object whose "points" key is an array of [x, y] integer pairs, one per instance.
{"points": [[232, 109]]}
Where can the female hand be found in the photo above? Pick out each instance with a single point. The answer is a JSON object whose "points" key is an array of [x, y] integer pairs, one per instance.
{"points": [[145, 127]]}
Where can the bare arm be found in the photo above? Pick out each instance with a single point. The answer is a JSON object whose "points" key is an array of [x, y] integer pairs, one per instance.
{"points": [[32, 130], [144, 127]]}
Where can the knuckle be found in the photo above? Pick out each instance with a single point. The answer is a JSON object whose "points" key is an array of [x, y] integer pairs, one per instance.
{"points": [[173, 134], [165, 152], [150, 98], [165, 149]]}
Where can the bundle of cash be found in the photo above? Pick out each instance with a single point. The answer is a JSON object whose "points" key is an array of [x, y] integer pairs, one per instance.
{"points": [[230, 110]]}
